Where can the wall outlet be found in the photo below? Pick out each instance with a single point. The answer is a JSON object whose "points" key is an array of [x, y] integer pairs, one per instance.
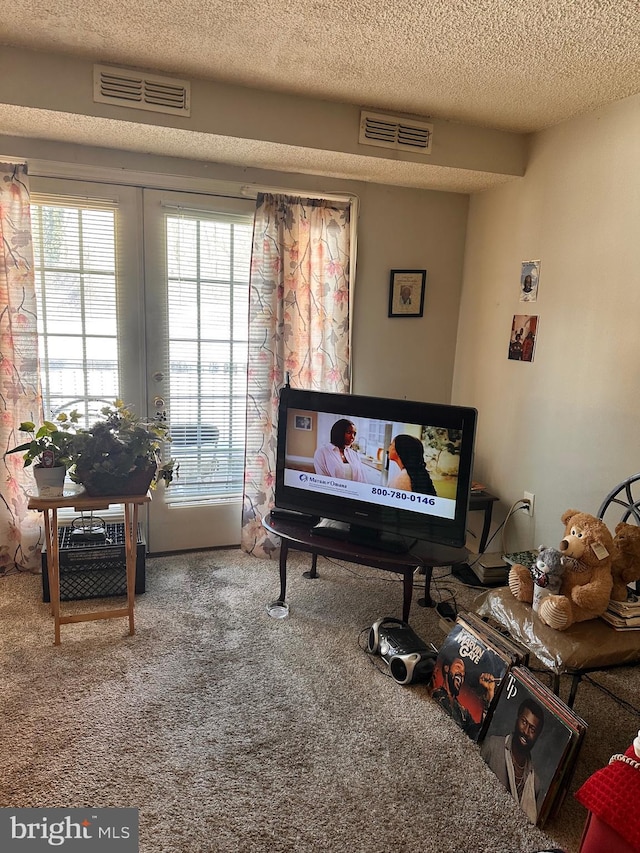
{"points": [[530, 497]]}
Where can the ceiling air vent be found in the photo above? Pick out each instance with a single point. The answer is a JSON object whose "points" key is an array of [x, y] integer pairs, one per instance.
{"points": [[403, 134], [141, 91]]}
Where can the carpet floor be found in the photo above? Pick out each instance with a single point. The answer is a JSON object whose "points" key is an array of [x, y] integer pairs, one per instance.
{"points": [[231, 731]]}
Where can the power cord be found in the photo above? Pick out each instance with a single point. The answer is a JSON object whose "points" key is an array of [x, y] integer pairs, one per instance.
{"points": [[446, 605], [628, 706], [622, 702], [446, 598], [516, 506], [388, 577], [520, 504]]}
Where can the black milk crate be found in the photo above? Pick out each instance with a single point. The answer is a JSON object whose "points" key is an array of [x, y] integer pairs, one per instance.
{"points": [[94, 569]]}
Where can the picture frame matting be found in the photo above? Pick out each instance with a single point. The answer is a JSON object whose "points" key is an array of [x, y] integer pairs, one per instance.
{"points": [[406, 293]]}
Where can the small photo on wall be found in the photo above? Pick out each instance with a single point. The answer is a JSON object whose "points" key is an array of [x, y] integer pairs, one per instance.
{"points": [[303, 422], [522, 342], [529, 279]]}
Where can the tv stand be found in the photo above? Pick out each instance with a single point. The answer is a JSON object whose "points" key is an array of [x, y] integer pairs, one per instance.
{"points": [[358, 535], [298, 536]]}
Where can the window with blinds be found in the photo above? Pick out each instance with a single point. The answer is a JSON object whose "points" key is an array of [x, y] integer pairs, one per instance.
{"points": [[83, 300], [75, 276], [208, 261]]}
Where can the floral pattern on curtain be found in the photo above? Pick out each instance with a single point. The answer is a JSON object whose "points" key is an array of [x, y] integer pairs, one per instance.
{"points": [[298, 325], [20, 396]]}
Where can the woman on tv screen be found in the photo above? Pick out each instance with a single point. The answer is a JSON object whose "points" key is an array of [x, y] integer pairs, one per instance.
{"points": [[407, 452], [338, 458]]}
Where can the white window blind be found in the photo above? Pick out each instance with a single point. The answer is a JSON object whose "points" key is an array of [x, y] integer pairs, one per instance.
{"points": [[76, 277], [208, 261]]}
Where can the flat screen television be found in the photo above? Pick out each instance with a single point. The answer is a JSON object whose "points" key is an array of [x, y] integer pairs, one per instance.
{"points": [[403, 472]]}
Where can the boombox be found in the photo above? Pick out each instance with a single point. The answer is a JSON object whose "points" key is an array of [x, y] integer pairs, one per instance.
{"points": [[409, 658]]}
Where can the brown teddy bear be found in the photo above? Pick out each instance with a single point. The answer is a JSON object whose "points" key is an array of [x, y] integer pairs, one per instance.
{"points": [[625, 567], [587, 580]]}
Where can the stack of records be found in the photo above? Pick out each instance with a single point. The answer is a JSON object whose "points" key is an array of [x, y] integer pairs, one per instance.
{"points": [[517, 654], [624, 615], [470, 670], [532, 743]]}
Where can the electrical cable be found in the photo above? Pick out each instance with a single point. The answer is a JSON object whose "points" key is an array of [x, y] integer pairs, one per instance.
{"points": [[442, 594], [628, 706], [524, 505], [439, 594], [387, 577], [516, 506]]}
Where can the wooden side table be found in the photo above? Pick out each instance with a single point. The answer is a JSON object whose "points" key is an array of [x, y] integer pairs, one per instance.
{"points": [[483, 501], [82, 502]]}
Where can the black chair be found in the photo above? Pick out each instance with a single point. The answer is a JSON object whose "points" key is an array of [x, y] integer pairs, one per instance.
{"points": [[622, 502]]}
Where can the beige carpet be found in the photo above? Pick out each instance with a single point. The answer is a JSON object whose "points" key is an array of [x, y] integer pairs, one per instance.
{"points": [[231, 731]]}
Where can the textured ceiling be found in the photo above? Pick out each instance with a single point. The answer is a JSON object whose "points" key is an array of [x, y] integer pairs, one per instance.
{"points": [[517, 65]]}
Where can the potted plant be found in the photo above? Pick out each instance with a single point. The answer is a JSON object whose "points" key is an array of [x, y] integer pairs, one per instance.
{"points": [[120, 454], [50, 450]]}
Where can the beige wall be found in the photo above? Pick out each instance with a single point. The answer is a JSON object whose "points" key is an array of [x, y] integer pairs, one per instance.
{"points": [[565, 427], [302, 442], [50, 96], [399, 228]]}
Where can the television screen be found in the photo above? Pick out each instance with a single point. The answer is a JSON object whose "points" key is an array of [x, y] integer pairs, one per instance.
{"points": [[380, 469]]}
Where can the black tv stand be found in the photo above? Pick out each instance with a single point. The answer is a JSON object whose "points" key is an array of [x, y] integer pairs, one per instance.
{"points": [[358, 535], [298, 536]]}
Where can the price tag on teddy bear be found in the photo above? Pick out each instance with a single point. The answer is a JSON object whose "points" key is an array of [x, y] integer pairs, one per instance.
{"points": [[599, 550]]}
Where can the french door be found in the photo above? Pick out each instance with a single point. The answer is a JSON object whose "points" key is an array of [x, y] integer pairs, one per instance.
{"points": [[197, 253], [143, 295]]}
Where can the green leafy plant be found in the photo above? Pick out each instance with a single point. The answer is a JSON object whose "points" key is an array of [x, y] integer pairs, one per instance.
{"points": [[53, 439], [118, 448]]}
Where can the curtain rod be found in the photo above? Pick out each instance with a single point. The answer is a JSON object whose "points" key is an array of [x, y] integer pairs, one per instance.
{"points": [[252, 190], [162, 180]]}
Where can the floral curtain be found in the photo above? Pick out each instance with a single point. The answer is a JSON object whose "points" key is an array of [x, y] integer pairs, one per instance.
{"points": [[20, 397], [298, 325]]}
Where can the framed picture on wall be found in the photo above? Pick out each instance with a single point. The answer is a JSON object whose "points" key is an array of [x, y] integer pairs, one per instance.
{"points": [[406, 293], [529, 279], [524, 331], [303, 422]]}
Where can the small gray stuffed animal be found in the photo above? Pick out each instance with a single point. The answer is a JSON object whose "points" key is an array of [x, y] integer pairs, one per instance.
{"points": [[547, 574]]}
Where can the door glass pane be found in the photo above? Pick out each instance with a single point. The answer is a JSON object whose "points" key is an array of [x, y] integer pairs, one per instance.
{"points": [[208, 292], [75, 274]]}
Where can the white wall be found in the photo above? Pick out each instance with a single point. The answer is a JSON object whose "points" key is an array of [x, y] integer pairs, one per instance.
{"points": [[565, 427]]}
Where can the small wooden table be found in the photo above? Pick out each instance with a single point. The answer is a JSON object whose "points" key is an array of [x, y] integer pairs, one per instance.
{"points": [[483, 501], [297, 535], [82, 502]]}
